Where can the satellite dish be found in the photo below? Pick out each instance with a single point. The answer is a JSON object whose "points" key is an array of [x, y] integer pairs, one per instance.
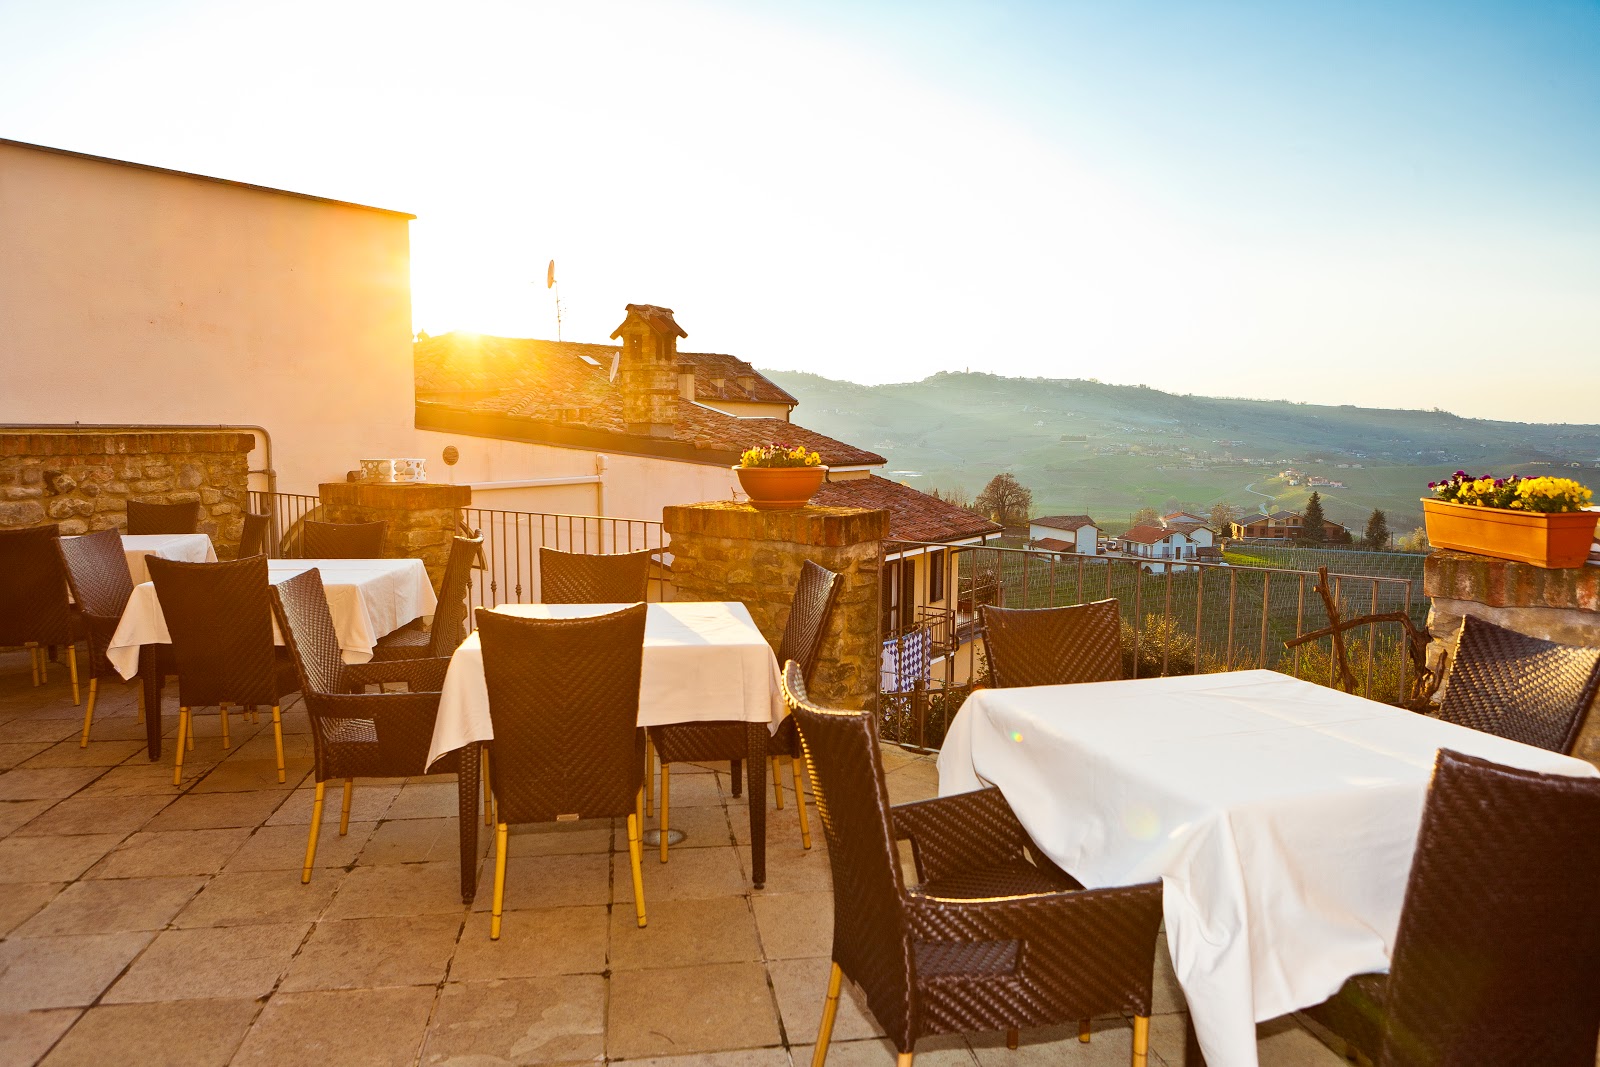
{"points": [[550, 275]]}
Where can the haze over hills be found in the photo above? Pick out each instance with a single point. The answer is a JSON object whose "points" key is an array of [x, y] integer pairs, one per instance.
{"points": [[1084, 446]]}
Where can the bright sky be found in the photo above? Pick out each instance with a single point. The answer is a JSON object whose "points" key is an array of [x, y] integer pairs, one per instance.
{"points": [[1383, 203]]}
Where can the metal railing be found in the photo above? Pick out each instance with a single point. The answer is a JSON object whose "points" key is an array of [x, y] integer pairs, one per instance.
{"points": [[1178, 617]]}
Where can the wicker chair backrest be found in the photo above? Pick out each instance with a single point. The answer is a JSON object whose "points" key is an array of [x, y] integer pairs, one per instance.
{"points": [[450, 617], [253, 541], [564, 701], [871, 939], [97, 574], [163, 518], [300, 604], [809, 610], [581, 578], [33, 588], [1497, 959], [1512, 685], [1052, 646], [220, 619], [342, 540]]}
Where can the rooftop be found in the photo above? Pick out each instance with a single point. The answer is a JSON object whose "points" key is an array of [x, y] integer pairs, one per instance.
{"points": [[913, 514], [1063, 522]]}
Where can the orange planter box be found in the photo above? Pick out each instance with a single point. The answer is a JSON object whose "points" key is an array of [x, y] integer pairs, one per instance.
{"points": [[773, 488], [1559, 540]]}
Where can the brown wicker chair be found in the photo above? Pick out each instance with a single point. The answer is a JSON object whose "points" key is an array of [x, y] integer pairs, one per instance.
{"points": [[342, 540], [1497, 959], [253, 541], [564, 701], [987, 940], [97, 573], [355, 734], [809, 611], [220, 619], [1052, 646], [34, 611], [163, 518], [1512, 685], [449, 619], [584, 578]]}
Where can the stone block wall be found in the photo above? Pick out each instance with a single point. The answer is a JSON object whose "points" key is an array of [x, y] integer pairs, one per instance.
{"points": [[728, 551], [83, 479], [422, 516]]}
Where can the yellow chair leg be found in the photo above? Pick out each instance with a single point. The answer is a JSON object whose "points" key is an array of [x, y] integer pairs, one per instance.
{"points": [[222, 709], [190, 735], [72, 668], [1083, 1030], [488, 793], [1141, 1040], [183, 733], [88, 712], [499, 880], [902, 1059], [1012, 1039], [777, 783], [277, 737], [830, 1008], [800, 802], [666, 786], [344, 810], [316, 829], [635, 855], [649, 775]]}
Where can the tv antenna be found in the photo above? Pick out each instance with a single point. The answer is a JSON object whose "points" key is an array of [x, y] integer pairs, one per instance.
{"points": [[550, 283]]}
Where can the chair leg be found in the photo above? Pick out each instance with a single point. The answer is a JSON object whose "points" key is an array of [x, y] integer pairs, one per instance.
{"points": [[33, 660], [649, 775], [1012, 1039], [183, 732], [1141, 1040], [830, 1008], [666, 786], [800, 802], [1083, 1031], [88, 712], [488, 793], [635, 855], [277, 737], [222, 709], [777, 784], [72, 669], [500, 832], [316, 829], [344, 810], [902, 1059], [139, 693]]}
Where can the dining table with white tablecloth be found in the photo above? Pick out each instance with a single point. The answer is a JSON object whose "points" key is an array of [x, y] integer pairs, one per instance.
{"points": [[186, 548], [1279, 815]]}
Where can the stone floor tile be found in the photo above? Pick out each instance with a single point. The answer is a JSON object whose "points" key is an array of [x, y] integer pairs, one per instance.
{"points": [[143, 778], [519, 1021], [25, 1036], [944, 1050], [18, 752], [283, 848], [1110, 1045], [51, 859], [562, 838], [794, 925], [221, 962], [162, 853], [194, 1033], [96, 815], [17, 813], [690, 1009], [683, 933], [1166, 993], [370, 953], [348, 1027], [693, 790], [46, 783], [61, 972], [239, 776], [368, 803], [430, 800], [745, 1057], [802, 986], [251, 898], [412, 841], [913, 782], [533, 943], [790, 870], [400, 889], [783, 827], [18, 903], [704, 825], [97, 753], [551, 881], [1285, 1043], [17, 731], [263, 747], [112, 906], [689, 873], [1167, 1037], [208, 811]]}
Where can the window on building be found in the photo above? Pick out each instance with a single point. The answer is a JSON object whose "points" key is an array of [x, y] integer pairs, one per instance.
{"points": [[936, 565]]}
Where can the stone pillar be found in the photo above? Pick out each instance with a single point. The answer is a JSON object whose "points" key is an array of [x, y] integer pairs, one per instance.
{"points": [[1556, 604], [422, 516], [727, 551]]}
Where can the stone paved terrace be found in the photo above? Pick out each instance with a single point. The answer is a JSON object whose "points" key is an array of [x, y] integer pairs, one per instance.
{"points": [[144, 923]]}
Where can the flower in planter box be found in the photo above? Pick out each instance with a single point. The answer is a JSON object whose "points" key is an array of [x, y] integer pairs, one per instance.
{"points": [[1513, 493], [780, 455]]}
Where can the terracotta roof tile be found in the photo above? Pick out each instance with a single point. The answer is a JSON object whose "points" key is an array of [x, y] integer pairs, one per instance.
{"points": [[1147, 535], [1063, 522], [913, 514], [1055, 544]]}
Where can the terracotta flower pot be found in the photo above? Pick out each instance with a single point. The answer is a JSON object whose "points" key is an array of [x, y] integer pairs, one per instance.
{"points": [[1544, 540], [772, 488]]}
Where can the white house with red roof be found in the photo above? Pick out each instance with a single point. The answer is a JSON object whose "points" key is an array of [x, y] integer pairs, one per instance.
{"points": [[1162, 546], [1077, 534]]}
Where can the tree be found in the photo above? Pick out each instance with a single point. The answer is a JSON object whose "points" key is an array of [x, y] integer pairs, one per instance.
{"points": [[1005, 500], [1415, 541], [1311, 528], [1377, 535], [1223, 516], [1146, 517], [956, 495]]}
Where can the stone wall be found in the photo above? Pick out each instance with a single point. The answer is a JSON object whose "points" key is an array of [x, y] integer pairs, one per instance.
{"points": [[729, 551], [1556, 604], [83, 479], [422, 516]]}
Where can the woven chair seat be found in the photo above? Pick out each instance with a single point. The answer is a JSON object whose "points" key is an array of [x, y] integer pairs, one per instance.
{"points": [[404, 643], [966, 959], [1016, 878]]}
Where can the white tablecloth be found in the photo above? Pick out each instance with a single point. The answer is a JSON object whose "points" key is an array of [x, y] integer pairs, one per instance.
{"points": [[1280, 815], [368, 598], [185, 548], [702, 662]]}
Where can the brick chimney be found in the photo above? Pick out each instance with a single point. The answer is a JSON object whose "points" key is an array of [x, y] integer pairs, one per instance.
{"points": [[648, 371], [686, 381]]}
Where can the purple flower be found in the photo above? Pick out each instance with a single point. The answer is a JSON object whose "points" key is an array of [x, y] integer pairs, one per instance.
{"points": [[1461, 474]]}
